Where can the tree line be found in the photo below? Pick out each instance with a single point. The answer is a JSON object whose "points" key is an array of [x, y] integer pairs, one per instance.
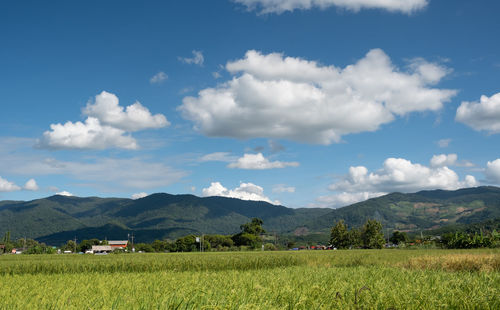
{"points": [[369, 236]]}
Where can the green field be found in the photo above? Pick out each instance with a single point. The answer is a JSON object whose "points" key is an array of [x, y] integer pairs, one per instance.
{"points": [[351, 279]]}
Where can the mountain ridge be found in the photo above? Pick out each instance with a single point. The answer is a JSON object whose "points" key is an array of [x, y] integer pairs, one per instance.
{"points": [[57, 218]]}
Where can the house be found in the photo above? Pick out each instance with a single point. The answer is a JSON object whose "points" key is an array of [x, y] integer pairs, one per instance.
{"points": [[116, 244], [102, 249]]}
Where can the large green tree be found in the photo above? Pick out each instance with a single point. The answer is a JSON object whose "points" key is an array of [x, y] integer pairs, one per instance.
{"points": [[339, 235], [253, 227], [399, 237], [250, 234], [371, 235]]}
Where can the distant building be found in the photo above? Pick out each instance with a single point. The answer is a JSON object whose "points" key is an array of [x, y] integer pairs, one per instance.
{"points": [[101, 249], [118, 244]]}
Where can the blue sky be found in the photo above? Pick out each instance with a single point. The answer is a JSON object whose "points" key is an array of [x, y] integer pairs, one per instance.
{"points": [[291, 102]]}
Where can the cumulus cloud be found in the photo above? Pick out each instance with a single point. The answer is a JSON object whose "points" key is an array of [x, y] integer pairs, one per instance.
{"points": [[6, 186], [396, 175], [280, 6], [31, 185], [246, 191], [493, 171], [482, 115], [158, 78], [88, 135], [444, 160], [259, 162], [197, 58], [283, 188], [291, 98], [65, 193], [135, 117], [108, 125], [139, 195]]}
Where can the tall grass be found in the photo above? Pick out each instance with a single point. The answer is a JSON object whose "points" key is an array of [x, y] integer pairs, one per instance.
{"points": [[375, 279], [456, 262]]}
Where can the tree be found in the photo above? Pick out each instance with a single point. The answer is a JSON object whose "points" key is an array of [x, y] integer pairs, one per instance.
{"points": [[253, 227], [399, 237], [355, 238], [186, 244], [159, 245], [250, 234], [371, 235], [339, 235], [69, 246], [87, 244], [218, 241]]}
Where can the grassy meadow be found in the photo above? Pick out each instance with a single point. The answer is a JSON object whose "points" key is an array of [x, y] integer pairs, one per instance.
{"points": [[351, 279]]}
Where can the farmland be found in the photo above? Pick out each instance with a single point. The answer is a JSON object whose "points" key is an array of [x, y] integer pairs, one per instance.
{"points": [[397, 279]]}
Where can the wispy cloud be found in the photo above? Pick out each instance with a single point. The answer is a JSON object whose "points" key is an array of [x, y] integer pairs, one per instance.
{"points": [[197, 58], [158, 78]]}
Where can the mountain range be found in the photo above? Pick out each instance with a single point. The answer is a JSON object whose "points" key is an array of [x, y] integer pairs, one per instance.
{"points": [[56, 219]]}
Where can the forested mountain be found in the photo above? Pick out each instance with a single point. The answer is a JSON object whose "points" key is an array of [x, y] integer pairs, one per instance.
{"points": [[58, 218], [424, 210]]}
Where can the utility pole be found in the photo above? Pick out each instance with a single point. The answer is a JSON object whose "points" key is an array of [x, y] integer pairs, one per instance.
{"points": [[75, 244], [133, 249]]}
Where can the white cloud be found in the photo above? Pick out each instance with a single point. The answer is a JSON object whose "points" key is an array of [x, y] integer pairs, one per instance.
{"points": [[88, 135], [444, 143], [134, 117], [483, 115], [283, 188], [296, 99], [158, 78], [31, 185], [246, 191], [493, 171], [396, 175], [219, 156], [280, 6], [197, 58], [139, 195], [401, 175], [343, 199], [259, 162], [65, 193], [443, 160], [106, 126], [6, 186], [216, 75]]}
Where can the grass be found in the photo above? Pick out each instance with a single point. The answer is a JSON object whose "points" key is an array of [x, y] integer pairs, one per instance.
{"points": [[386, 279]]}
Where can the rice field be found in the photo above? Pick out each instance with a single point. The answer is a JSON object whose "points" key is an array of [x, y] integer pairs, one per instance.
{"points": [[351, 279]]}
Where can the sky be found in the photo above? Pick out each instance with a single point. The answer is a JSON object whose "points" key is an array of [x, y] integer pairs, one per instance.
{"points": [[303, 103]]}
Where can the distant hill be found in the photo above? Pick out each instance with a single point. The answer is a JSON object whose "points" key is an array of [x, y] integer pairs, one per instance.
{"points": [[424, 210], [57, 219]]}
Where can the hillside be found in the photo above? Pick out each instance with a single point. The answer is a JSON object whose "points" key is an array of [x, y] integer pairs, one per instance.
{"points": [[57, 218], [424, 210]]}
